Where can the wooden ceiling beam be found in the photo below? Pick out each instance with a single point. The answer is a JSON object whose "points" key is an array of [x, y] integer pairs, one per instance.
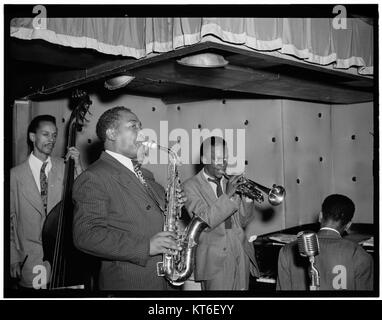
{"points": [[248, 72]]}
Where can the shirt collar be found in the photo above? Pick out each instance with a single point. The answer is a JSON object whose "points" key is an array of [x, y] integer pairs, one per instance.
{"points": [[330, 229], [122, 159], [207, 176], [36, 162]]}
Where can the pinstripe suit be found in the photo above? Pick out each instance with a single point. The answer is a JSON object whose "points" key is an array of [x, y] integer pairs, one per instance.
{"points": [[114, 219]]}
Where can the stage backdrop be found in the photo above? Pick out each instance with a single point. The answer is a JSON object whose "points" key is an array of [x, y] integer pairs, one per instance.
{"points": [[311, 149]]}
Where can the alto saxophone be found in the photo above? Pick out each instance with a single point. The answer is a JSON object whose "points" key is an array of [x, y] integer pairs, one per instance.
{"points": [[179, 267]]}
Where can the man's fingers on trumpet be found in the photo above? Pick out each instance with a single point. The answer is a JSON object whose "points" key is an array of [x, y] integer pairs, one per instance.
{"points": [[232, 185], [235, 179], [238, 184]]}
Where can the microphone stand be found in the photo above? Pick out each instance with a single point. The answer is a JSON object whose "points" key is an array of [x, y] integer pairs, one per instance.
{"points": [[314, 276]]}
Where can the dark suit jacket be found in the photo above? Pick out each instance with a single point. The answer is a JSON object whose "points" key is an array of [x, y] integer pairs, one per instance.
{"points": [[342, 264], [114, 219], [211, 251]]}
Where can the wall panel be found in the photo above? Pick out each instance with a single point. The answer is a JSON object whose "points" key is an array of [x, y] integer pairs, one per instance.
{"points": [[324, 159], [261, 120], [353, 156], [23, 113], [307, 159]]}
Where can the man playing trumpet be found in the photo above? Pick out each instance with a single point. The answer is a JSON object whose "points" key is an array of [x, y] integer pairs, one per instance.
{"points": [[224, 257]]}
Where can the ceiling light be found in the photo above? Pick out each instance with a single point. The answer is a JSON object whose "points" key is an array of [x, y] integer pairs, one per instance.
{"points": [[204, 60], [118, 82]]}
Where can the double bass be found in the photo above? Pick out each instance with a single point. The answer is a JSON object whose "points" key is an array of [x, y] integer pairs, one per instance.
{"points": [[70, 268]]}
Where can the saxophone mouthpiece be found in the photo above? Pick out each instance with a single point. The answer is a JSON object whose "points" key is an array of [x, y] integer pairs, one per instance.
{"points": [[154, 145], [150, 144]]}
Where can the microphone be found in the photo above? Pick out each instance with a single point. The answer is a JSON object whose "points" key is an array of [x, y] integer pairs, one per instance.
{"points": [[308, 245]]}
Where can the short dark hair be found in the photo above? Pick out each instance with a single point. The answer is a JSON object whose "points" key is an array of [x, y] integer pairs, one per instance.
{"points": [[339, 208], [109, 119], [211, 141], [35, 123]]}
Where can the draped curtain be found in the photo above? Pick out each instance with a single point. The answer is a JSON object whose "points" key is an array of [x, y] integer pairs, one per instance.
{"points": [[313, 40]]}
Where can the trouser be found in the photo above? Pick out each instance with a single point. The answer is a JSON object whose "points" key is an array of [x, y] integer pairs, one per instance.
{"points": [[234, 274]]}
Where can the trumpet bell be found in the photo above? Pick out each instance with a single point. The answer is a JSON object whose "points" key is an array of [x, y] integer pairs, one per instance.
{"points": [[276, 195]]}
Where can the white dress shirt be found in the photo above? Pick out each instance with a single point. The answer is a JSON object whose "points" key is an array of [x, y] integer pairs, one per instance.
{"points": [[123, 160], [35, 165], [331, 229]]}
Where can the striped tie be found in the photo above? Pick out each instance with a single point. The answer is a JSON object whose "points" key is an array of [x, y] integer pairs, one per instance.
{"points": [[44, 185], [150, 192], [137, 169]]}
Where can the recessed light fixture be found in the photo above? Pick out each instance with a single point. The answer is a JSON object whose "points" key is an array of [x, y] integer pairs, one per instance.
{"points": [[118, 82], [204, 60]]}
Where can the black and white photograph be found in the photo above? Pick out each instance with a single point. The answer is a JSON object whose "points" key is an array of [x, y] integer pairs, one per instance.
{"points": [[191, 151]]}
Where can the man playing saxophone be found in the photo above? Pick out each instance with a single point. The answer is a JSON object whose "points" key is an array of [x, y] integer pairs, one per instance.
{"points": [[224, 257], [118, 214]]}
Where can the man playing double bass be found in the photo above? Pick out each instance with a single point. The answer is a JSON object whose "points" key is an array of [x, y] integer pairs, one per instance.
{"points": [[36, 187]]}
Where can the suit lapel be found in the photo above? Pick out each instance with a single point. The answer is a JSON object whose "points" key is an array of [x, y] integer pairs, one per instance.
{"points": [[135, 187], [206, 187], [30, 190], [127, 178]]}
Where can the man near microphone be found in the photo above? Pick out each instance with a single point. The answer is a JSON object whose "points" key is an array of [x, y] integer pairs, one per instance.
{"points": [[342, 264], [118, 214]]}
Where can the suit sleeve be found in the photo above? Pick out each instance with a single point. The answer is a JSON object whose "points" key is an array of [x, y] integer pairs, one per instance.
{"points": [[213, 215], [283, 273], [16, 255], [91, 232], [247, 211], [364, 270]]}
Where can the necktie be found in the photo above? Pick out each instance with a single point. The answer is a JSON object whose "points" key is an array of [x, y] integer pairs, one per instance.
{"points": [[219, 192], [137, 170], [150, 192], [44, 185]]}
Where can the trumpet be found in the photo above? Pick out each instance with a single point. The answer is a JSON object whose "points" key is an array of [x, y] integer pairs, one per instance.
{"points": [[254, 190]]}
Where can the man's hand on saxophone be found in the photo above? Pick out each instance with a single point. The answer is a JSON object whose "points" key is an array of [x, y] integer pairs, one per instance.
{"points": [[164, 242]]}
